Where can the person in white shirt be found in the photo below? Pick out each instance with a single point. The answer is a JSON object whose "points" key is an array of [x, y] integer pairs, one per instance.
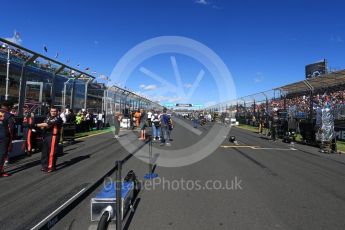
{"points": [[156, 126], [64, 114], [149, 115]]}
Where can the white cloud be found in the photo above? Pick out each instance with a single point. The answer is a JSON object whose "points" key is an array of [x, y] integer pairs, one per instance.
{"points": [[148, 87], [169, 99], [202, 2], [188, 85], [207, 3], [259, 78], [176, 99], [216, 7], [337, 39], [95, 42]]}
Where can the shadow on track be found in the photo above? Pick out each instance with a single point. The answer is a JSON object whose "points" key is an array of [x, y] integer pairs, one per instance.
{"points": [[71, 162], [130, 217]]}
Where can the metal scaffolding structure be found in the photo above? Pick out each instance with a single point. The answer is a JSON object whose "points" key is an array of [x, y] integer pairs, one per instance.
{"points": [[30, 75], [251, 105]]}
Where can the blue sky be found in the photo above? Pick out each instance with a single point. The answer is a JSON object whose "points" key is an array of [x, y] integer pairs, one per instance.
{"points": [[264, 43]]}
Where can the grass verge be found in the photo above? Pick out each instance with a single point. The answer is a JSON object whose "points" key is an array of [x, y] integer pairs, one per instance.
{"points": [[248, 127], [85, 134]]}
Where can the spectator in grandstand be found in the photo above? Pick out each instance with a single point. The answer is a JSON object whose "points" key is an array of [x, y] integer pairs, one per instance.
{"points": [[15, 52], [14, 111]]}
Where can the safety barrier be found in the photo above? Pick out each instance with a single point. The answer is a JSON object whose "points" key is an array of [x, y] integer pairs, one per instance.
{"points": [[150, 174], [69, 130], [18, 144], [114, 200]]}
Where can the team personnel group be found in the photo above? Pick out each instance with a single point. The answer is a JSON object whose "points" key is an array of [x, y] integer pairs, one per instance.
{"points": [[51, 128], [51, 132]]}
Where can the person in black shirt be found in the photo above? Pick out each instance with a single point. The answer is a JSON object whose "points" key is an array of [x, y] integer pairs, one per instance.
{"points": [[274, 126], [51, 135], [6, 135]]}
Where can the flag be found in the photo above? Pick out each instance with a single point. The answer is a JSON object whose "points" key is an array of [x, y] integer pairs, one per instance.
{"points": [[104, 77], [17, 36], [45, 49]]}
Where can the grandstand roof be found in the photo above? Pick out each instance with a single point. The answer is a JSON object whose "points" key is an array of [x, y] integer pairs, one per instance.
{"points": [[36, 55], [325, 81]]}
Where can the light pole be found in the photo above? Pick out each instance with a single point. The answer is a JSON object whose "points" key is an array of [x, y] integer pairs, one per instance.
{"points": [[8, 70], [85, 96], [64, 92]]}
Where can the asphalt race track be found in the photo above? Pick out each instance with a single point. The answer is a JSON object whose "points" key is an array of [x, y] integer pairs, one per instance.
{"points": [[270, 185]]}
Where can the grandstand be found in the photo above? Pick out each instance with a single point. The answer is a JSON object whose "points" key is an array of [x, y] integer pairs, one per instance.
{"points": [[298, 100], [303, 94], [27, 77]]}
